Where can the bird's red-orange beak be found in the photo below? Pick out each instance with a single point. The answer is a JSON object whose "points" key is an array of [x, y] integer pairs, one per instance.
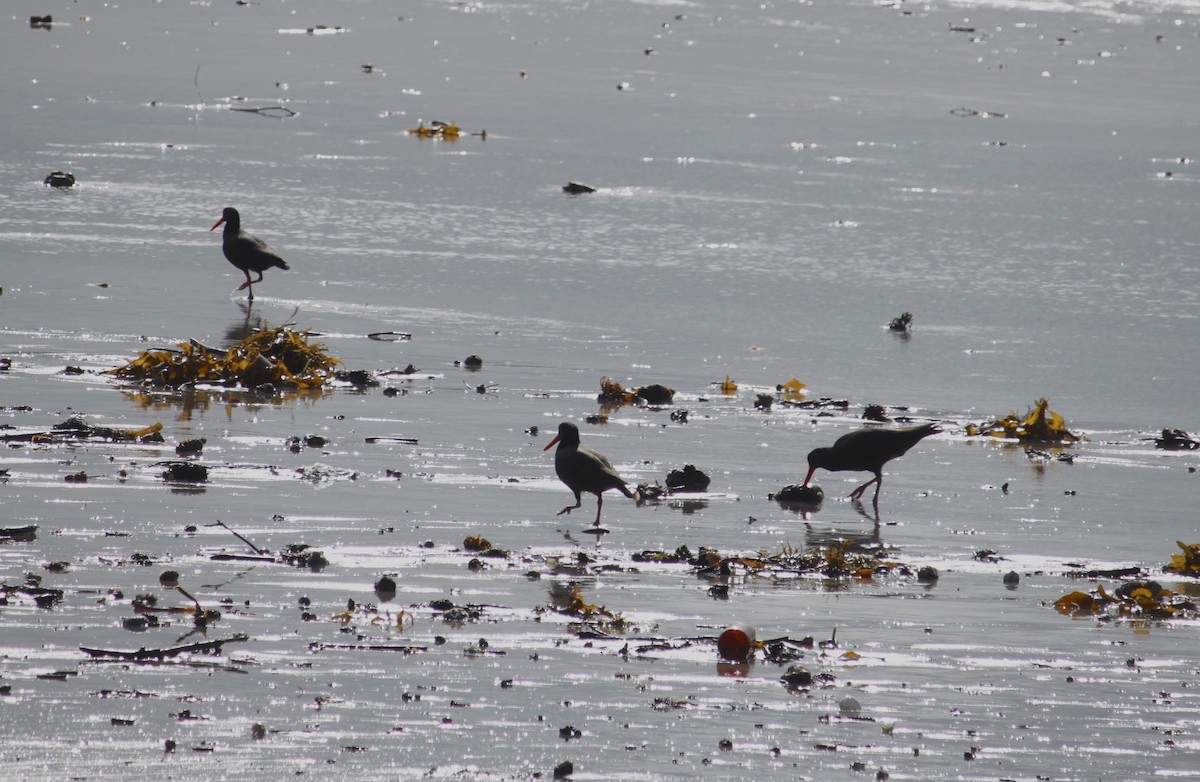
{"points": [[552, 443], [216, 224], [808, 477]]}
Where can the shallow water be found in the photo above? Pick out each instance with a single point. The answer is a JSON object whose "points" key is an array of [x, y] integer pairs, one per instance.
{"points": [[776, 183]]}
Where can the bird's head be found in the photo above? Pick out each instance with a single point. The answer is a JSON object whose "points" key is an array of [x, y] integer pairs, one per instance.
{"points": [[817, 457], [568, 435], [228, 215]]}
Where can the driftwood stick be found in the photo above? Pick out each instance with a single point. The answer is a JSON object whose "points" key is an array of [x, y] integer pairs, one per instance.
{"points": [[267, 111], [241, 558], [803, 643], [316, 647], [144, 655], [242, 538]]}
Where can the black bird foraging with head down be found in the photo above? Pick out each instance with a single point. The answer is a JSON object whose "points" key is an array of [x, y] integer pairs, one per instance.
{"points": [[246, 251], [583, 469], [867, 450]]}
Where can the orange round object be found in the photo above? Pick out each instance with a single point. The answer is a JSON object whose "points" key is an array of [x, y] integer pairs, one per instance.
{"points": [[736, 643]]}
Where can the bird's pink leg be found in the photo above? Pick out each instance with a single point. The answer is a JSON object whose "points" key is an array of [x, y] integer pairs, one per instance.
{"points": [[567, 510], [248, 283], [857, 493], [599, 504]]}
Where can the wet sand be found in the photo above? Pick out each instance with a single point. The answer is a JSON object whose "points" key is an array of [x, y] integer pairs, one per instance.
{"points": [[774, 186]]}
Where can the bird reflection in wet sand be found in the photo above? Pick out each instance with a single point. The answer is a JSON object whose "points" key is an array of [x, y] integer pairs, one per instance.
{"points": [[867, 450], [236, 331], [583, 469], [847, 541]]}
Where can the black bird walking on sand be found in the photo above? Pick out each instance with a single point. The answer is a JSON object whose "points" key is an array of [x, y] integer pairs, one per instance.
{"points": [[246, 251], [867, 450], [583, 469]]}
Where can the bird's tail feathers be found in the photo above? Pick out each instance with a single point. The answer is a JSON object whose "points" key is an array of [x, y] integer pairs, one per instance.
{"points": [[282, 264]]}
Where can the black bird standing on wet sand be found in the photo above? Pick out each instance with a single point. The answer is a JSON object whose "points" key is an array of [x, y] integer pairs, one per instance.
{"points": [[583, 469], [867, 450], [246, 251]]}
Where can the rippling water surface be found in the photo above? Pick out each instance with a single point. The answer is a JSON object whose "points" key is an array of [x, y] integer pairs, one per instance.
{"points": [[776, 182]]}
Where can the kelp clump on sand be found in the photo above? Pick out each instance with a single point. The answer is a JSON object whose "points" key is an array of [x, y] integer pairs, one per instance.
{"points": [[281, 356], [613, 393], [596, 619], [1132, 600], [1187, 563], [1140, 598], [1176, 440], [833, 561], [1038, 425], [77, 429]]}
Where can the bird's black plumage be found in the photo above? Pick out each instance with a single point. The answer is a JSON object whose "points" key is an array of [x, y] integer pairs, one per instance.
{"points": [[246, 251], [867, 450], [583, 469]]}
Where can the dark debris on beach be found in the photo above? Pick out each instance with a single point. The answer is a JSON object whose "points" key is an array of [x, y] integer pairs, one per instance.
{"points": [[391, 625]]}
